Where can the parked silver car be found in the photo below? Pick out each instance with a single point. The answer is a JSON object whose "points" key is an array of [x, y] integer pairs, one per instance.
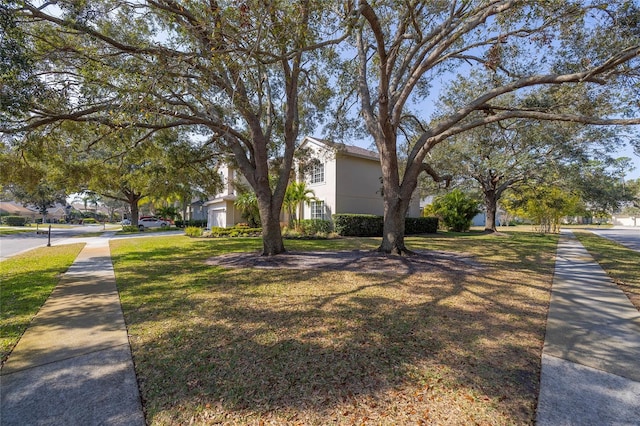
{"points": [[151, 222]]}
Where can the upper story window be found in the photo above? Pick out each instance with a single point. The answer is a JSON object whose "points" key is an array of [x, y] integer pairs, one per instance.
{"points": [[317, 173]]}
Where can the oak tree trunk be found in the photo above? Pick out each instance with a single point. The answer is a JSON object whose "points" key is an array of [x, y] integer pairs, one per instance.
{"points": [[396, 204], [491, 206], [393, 230], [272, 242]]}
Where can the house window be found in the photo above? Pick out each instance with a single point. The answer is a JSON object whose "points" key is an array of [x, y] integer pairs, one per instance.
{"points": [[317, 210], [317, 173]]}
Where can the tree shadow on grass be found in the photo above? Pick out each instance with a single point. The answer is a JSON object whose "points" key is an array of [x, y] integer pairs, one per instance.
{"points": [[309, 344]]}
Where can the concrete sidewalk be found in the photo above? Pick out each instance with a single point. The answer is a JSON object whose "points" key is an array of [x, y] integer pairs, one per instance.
{"points": [[591, 357], [73, 365]]}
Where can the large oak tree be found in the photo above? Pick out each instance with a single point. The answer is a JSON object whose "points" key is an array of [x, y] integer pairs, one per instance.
{"points": [[408, 50], [239, 73]]}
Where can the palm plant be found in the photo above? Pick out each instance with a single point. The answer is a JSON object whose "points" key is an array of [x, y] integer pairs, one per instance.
{"points": [[296, 194], [247, 203]]}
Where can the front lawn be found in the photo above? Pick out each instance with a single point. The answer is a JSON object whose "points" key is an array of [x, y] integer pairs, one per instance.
{"points": [[460, 345]]}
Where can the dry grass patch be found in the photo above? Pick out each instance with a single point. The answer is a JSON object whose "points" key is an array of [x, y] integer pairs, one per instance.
{"points": [[214, 345]]}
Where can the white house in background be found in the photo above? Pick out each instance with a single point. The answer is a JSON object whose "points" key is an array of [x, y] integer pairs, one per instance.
{"points": [[221, 211], [621, 220], [344, 179]]}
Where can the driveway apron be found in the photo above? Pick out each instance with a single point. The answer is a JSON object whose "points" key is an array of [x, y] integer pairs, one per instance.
{"points": [[73, 365]]}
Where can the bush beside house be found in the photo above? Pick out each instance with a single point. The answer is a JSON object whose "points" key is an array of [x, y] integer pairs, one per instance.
{"points": [[364, 225], [15, 220]]}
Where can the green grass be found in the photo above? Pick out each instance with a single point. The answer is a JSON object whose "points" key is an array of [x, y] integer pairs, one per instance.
{"points": [[89, 234], [5, 231], [450, 345], [619, 262], [27, 280]]}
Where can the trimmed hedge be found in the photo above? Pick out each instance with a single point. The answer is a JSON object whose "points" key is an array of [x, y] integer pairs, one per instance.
{"points": [[200, 223], [236, 231], [15, 220], [420, 225], [358, 225], [366, 225]]}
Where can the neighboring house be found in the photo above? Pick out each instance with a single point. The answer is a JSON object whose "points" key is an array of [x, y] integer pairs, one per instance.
{"points": [[10, 208], [344, 179], [221, 211], [622, 220], [55, 213], [196, 210]]}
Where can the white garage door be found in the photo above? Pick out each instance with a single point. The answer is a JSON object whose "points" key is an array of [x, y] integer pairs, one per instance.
{"points": [[218, 218]]}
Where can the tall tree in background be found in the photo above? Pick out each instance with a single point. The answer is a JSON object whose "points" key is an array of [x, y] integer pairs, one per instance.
{"points": [[496, 158], [600, 185], [406, 51], [239, 74], [545, 205], [129, 169], [632, 190]]}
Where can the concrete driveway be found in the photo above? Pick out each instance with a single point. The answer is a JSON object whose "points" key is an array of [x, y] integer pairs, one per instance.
{"points": [[627, 236]]}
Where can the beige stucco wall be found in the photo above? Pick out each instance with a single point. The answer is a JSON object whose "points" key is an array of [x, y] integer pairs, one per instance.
{"points": [[359, 187], [352, 185]]}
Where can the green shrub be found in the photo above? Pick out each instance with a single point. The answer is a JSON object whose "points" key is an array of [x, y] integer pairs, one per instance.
{"points": [[314, 226], [200, 223], [236, 231], [358, 225], [456, 209], [89, 220], [15, 220], [420, 225], [130, 228], [193, 231]]}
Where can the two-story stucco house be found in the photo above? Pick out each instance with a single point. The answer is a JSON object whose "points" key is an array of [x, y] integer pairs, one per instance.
{"points": [[221, 211], [344, 179]]}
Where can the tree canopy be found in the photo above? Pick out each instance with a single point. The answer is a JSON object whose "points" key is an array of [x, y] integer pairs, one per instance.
{"points": [[583, 54], [245, 77]]}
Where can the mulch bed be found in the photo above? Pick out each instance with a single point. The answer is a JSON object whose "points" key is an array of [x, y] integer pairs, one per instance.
{"points": [[354, 260]]}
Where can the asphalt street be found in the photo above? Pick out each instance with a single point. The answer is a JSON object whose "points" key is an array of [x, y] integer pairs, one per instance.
{"points": [[17, 243], [629, 237]]}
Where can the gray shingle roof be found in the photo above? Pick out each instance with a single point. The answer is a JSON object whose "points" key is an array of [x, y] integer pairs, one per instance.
{"points": [[348, 149]]}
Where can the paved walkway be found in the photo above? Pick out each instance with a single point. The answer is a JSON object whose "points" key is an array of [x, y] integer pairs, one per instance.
{"points": [[591, 357], [73, 365]]}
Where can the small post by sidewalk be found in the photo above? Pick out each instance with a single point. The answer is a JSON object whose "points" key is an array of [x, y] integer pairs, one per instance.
{"points": [[49, 237]]}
